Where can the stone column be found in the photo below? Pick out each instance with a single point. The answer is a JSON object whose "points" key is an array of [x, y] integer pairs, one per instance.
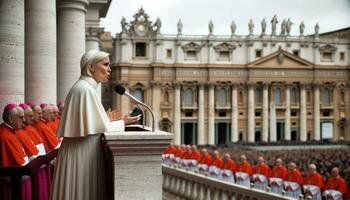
{"points": [[273, 126], [303, 114], [211, 115], [177, 115], [201, 129], [234, 114], [287, 115], [11, 52], [156, 103], [92, 38], [251, 113], [317, 132], [265, 112], [40, 48], [71, 45]]}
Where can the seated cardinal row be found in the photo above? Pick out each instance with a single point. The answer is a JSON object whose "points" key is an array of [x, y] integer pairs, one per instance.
{"points": [[28, 131], [278, 180]]}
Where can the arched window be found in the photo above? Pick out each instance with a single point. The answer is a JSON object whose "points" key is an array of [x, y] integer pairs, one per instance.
{"points": [[138, 93], [308, 97], [294, 95], [166, 97], [342, 96], [258, 95], [240, 97], [277, 95], [222, 97], [188, 97], [326, 96]]}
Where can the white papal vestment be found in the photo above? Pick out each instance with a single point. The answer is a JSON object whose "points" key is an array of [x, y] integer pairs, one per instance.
{"points": [[79, 173]]}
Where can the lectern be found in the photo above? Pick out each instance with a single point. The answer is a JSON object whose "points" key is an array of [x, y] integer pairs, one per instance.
{"points": [[136, 161]]}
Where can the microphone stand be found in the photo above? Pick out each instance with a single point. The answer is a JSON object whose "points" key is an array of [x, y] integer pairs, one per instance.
{"points": [[153, 124], [143, 115]]}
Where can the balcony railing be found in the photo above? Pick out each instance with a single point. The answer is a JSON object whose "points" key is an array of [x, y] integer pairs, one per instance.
{"points": [[182, 184]]}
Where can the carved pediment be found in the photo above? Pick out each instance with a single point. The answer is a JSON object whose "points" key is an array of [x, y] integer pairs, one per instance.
{"points": [[141, 26], [327, 48], [191, 47], [224, 47], [280, 59]]}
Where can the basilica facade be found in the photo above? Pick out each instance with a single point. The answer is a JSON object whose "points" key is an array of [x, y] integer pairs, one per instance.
{"points": [[214, 89]]}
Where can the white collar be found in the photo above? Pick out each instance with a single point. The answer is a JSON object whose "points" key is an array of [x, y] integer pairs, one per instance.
{"points": [[90, 80]]}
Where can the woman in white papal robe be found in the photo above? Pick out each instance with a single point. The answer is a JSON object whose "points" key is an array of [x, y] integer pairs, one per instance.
{"points": [[79, 173]]}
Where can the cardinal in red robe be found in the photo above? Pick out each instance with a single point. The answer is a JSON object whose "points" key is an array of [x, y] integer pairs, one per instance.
{"points": [[45, 132], [228, 163], [216, 160], [279, 171], [244, 166], [313, 177], [48, 117], [261, 174], [262, 168], [335, 182], [196, 154], [11, 150]]}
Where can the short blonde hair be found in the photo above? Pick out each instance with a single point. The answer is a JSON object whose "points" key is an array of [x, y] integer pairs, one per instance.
{"points": [[89, 58]]}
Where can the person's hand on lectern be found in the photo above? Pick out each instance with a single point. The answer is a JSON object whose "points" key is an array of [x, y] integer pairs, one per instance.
{"points": [[130, 120], [114, 115]]}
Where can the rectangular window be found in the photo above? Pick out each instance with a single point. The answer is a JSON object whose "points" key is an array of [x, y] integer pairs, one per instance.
{"points": [[296, 52], [327, 57], [257, 114], [140, 49], [224, 55], [342, 56], [191, 55], [258, 53], [169, 53], [222, 114]]}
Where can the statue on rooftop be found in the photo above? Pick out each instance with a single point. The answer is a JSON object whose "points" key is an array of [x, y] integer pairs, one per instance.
{"points": [[251, 27], [211, 27], [301, 28], [274, 22], [179, 27], [263, 27], [289, 24], [233, 28], [124, 25], [157, 25], [283, 27], [317, 29]]}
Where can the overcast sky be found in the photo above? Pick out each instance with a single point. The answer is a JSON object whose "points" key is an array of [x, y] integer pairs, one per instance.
{"points": [[196, 14]]}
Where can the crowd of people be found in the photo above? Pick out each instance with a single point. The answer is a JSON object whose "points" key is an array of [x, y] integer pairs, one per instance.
{"points": [[28, 131], [314, 173]]}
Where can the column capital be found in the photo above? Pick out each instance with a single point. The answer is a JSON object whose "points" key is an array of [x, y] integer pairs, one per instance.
{"points": [[316, 84], [177, 84], [79, 5], [123, 83], [305, 85], [155, 84], [211, 85], [266, 85], [251, 84], [93, 32]]}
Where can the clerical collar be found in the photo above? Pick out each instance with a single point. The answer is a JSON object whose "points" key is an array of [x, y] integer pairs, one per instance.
{"points": [[9, 126], [90, 80]]}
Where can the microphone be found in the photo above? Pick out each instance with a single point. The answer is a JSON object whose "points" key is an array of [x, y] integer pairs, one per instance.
{"points": [[121, 91]]}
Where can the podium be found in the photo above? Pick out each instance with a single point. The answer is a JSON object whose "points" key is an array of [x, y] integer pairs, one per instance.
{"points": [[136, 162]]}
